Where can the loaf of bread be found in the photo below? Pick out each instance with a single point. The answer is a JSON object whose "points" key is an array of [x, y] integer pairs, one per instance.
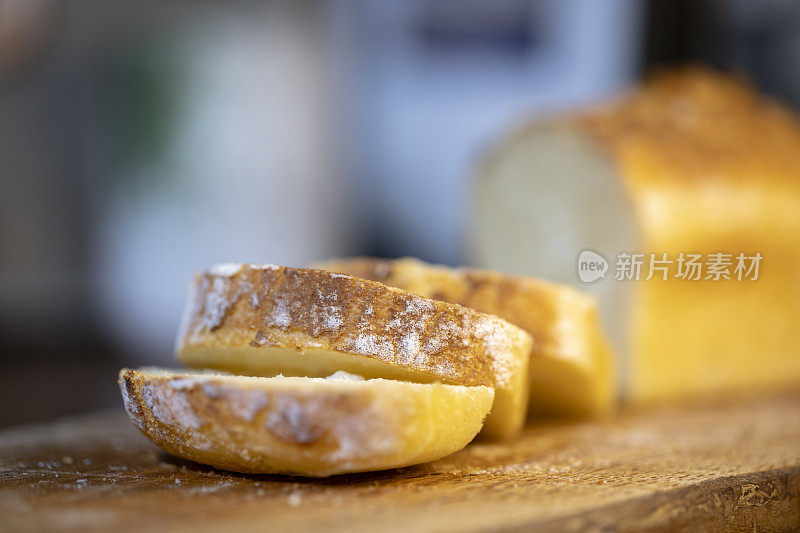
{"points": [[692, 162], [304, 426], [265, 320], [571, 367]]}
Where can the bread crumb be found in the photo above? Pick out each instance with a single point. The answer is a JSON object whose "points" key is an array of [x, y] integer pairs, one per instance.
{"points": [[294, 499], [341, 375]]}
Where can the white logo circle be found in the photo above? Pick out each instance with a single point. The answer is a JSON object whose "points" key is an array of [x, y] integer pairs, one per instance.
{"points": [[591, 266]]}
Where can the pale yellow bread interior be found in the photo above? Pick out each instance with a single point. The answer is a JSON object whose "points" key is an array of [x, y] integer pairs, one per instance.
{"points": [[265, 320], [302, 426], [572, 366]]}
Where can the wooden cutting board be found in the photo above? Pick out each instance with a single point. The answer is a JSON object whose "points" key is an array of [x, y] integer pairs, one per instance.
{"points": [[732, 466]]}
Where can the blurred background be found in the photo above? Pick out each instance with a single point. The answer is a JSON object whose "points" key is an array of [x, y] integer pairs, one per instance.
{"points": [[140, 140]]}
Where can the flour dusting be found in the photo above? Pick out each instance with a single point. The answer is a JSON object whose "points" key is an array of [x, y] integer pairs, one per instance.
{"points": [[170, 408], [226, 269]]}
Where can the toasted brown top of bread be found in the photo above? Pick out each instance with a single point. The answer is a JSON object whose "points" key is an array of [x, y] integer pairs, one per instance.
{"points": [[536, 306], [702, 125], [684, 126], [307, 309]]}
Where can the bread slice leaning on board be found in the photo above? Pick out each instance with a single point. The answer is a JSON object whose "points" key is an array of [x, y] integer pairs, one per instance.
{"points": [[572, 370], [302, 426], [691, 162], [265, 320]]}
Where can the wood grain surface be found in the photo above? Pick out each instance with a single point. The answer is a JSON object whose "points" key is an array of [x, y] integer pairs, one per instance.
{"points": [[732, 466]]}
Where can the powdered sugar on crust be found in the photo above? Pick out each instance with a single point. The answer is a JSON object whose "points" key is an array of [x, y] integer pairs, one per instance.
{"points": [[340, 420], [280, 314], [263, 266], [245, 404], [131, 406], [363, 436], [371, 344], [170, 406], [231, 269], [226, 269], [215, 306], [500, 340]]}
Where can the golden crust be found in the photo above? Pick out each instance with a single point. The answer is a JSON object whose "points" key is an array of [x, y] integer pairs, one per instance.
{"points": [[303, 426], [703, 125], [528, 303], [563, 322], [310, 310]]}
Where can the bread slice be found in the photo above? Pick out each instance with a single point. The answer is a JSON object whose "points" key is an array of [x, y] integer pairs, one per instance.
{"points": [[691, 162], [265, 320], [304, 426], [572, 366]]}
